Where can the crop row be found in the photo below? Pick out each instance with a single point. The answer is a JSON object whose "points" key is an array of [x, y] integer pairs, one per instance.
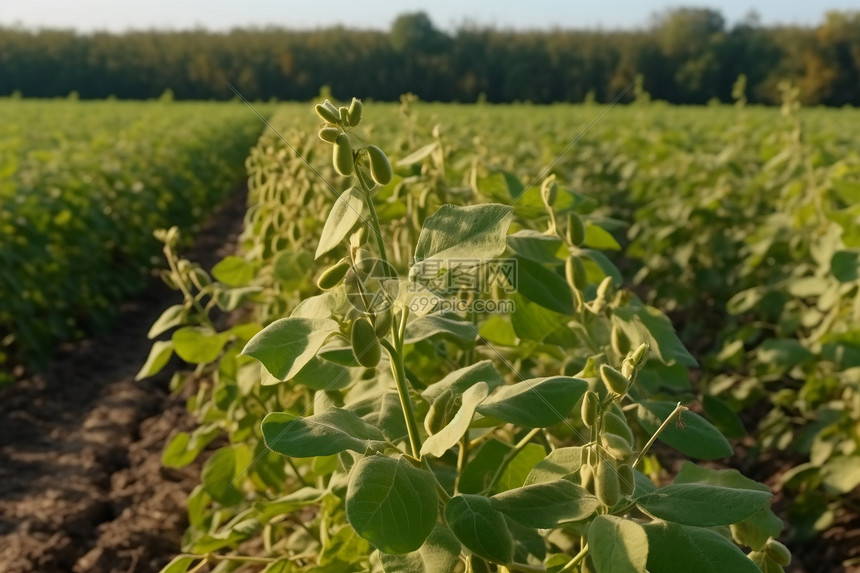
{"points": [[82, 187]]}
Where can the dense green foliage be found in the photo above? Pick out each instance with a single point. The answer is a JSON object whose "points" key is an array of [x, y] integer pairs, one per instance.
{"points": [[82, 187], [684, 56], [521, 437]]}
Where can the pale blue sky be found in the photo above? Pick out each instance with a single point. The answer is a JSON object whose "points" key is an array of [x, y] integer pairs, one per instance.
{"points": [[117, 15]]}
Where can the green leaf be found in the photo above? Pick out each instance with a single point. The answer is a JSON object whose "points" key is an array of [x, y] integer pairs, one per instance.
{"points": [[597, 237], [647, 324], [480, 528], [617, 545], [535, 403], [543, 286], [234, 271], [347, 210], [439, 554], [287, 345], [536, 246], [179, 564], [673, 548], [184, 448], [785, 353], [171, 317], [428, 326], [331, 432], [223, 474], [198, 345], [692, 473], [322, 374], [546, 505], [230, 299], [841, 473], [561, 463], [159, 356], [531, 321], [437, 444], [606, 266], [845, 266], [299, 499], [694, 437], [703, 505], [474, 232], [480, 469], [724, 418], [462, 379], [391, 503], [280, 566]]}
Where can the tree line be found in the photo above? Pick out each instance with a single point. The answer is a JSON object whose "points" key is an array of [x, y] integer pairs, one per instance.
{"points": [[686, 55]]}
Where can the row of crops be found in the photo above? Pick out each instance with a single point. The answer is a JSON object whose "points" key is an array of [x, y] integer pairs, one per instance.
{"points": [[82, 187], [374, 425]]}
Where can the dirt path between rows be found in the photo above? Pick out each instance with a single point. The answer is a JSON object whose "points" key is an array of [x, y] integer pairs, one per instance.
{"points": [[82, 488]]}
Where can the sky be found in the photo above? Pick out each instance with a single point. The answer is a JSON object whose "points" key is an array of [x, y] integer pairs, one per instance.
{"points": [[119, 15]]}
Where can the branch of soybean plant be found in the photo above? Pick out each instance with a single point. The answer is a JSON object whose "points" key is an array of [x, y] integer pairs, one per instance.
{"points": [[374, 218], [573, 563], [395, 352], [523, 568], [676, 412], [510, 456]]}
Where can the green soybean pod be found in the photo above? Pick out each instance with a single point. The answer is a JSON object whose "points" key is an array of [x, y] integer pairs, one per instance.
{"points": [[575, 229], [616, 446], [332, 276], [343, 113], [606, 485], [614, 380], [327, 112], [354, 112], [380, 167], [365, 344], [574, 272], [589, 408], [626, 479], [342, 155], [329, 134], [778, 552]]}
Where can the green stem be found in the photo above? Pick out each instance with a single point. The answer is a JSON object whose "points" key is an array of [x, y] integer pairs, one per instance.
{"points": [[395, 351], [241, 558], [462, 456], [374, 218], [571, 565], [511, 455], [676, 412], [523, 568]]}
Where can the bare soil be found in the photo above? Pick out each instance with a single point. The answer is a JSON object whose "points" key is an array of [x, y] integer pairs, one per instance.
{"points": [[82, 488]]}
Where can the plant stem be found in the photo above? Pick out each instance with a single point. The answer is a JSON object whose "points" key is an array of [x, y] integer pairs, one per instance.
{"points": [[575, 561], [511, 455], [399, 372], [241, 558], [676, 412], [374, 218], [462, 456]]}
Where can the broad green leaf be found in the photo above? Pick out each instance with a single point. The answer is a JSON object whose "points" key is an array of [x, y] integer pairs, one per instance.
{"points": [[597, 237], [755, 530], [418, 155], [673, 548], [535, 403], [546, 505], [479, 471], [498, 330], [347, 210], [693, 436], [703, 505], [474, 232], [647, 324], [287, 345], [184, 448], [561, 463], [845, 266], [543, 286], [841, 473], [536, 246], [606, 266], [617, 545], [331, 432], [692, 473], [234, 271], [224, 472], [531, 321], [230, 299], [171, 317], [437, 444], [427, 326], [784, 353], [322, 374], [391, 503], [724, 417], [179, 564], [159, 356], [198, 345], [439, 554], [304, 497], [462, 379], [480, 528]]}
